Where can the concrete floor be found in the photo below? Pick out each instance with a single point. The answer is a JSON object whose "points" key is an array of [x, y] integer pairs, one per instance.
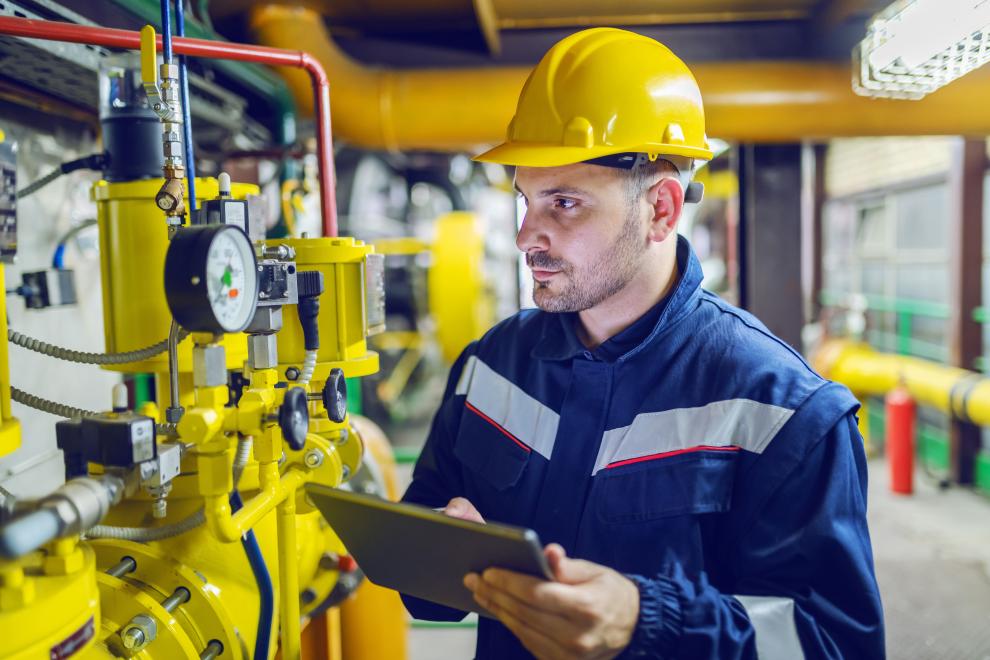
{"points": [[932, 552]]}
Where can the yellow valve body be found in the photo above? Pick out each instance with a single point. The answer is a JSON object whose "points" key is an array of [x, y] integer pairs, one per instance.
{"points": [[342, 319], [51, 610], [133, 242]]}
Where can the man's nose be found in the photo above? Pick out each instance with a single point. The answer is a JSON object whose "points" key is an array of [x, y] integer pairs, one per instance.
{"points": [[531, 236]]}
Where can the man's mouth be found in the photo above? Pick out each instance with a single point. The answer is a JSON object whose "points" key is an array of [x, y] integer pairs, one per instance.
{"points": [[543, 275]]}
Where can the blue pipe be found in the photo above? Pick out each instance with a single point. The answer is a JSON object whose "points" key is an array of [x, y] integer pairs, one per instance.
{"points": [[180, 23], [166, 32], [262, 641], [58, 259]]}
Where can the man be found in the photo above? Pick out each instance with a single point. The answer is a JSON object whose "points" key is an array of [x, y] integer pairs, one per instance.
{"points": [[702, 489]]}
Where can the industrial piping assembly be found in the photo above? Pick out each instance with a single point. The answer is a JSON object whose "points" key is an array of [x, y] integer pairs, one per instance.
{"points": [[178, 529]]}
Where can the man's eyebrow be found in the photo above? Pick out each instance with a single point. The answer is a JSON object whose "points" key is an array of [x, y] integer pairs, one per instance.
{"points": [[550, 192]]}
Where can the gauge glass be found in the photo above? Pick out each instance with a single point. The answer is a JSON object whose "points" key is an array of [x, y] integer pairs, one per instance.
{"points": [[231, 280]]}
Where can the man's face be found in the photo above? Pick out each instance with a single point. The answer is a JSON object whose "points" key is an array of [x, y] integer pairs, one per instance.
{"points": [[584, 239]]}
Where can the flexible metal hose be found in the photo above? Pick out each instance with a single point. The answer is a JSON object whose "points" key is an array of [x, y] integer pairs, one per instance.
{"points": [[62, 410], [83, 357], [40, 183], [148, 534]]}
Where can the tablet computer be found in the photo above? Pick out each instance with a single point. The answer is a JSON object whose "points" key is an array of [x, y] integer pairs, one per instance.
{"points": [[422, 552]]}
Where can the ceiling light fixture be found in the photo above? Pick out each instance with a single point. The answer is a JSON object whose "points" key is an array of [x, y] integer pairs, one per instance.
{"points": [[914, 47]]}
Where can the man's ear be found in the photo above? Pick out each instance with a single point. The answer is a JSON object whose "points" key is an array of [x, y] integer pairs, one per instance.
{"points": [[666, 197]]}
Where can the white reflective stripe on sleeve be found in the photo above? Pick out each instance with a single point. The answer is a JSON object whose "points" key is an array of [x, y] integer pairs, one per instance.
{"points": [[740, 423], [773, 620], [507, 405], [466, 373]]}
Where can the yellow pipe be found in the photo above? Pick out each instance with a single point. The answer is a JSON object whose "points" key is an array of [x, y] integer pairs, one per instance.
{"points": [[957, 392], [288, 570], [229, 527], [457, 109], [526, 14]]}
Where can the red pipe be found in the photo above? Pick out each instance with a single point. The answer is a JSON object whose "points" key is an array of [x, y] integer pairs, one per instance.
{"points": [[223, 50]]}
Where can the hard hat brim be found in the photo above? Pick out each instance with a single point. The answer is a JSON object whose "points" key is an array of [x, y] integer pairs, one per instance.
{"points": [[535, 154]]}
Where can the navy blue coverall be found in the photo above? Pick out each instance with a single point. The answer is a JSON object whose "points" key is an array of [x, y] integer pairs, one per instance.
{"points": [[694, 452]]}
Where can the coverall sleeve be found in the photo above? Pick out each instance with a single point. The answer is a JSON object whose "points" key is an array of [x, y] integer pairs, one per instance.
{"points": [[437, 479], [803, 583]]}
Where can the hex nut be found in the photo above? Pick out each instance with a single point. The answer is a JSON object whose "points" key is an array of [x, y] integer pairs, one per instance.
{"points": [[139, 632], [313, 458]]}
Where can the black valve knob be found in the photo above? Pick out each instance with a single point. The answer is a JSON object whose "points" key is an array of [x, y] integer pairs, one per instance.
{"points": [[293, 417], [335, 395]]}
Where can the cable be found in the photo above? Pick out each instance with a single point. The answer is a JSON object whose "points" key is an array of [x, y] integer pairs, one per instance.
{"points": [[166, 32], [266, 613], [83, 357], [69, 412], [91, 162], [180, 22], [58, 259]]}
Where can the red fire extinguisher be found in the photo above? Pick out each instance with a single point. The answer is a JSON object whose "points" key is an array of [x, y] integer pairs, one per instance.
{"points": [[901, 412]]}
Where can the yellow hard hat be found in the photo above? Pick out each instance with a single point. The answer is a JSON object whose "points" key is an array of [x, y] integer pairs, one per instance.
{"points": [[601, 92]]}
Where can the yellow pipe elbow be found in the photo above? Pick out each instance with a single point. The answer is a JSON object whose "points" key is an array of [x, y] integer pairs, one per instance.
{"points": [[228, 527]]}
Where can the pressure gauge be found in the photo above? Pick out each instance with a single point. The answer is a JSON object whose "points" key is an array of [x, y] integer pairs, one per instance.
{"points": [[211, 279]]}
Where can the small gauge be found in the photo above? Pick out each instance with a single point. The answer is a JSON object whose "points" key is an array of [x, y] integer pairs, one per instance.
{"points": [[211, 279]]}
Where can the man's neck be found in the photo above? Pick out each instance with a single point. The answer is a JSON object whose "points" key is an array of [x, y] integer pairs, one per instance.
{"points": [[610, 317]]}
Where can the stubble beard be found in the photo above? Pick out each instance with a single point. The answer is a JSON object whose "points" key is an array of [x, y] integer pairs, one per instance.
{"points": [[585, 287]]}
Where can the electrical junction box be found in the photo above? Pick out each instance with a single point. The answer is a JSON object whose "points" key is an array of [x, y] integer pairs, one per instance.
{"points": [[49, 288], [225, 212], [120, 441]]}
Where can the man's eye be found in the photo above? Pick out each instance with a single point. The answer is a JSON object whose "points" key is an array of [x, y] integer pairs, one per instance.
{"points": [[564, 203]]}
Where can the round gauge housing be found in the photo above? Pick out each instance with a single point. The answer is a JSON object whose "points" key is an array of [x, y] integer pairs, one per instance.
{"points": [[211, 279]]}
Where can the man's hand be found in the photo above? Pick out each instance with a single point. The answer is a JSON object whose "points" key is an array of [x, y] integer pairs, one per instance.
{"points": [[463, 509], [590, 612]]}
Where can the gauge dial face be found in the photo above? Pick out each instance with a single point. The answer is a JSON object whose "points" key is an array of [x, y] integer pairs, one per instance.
{"points": [[231, 281]]}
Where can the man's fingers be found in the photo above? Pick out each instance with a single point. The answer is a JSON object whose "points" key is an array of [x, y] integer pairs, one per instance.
{"points": [[536, 641], [576, 571], [554, 554], [554, 623], [463, 509], [552, 598]]}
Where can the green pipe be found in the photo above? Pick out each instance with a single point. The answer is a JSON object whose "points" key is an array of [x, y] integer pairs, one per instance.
{"points": [[416, 623], [896, 305], [405, 455], [255, 77], [903, 333], [354, 396]]}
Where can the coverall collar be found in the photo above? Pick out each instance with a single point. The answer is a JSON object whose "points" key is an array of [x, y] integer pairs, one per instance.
{"points": [[560, 340]]}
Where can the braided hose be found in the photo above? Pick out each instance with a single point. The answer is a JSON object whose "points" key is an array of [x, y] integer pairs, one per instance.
{"points": [[308, 367], [69, 412], [39, 184], [82, 357], [148, 534]]}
